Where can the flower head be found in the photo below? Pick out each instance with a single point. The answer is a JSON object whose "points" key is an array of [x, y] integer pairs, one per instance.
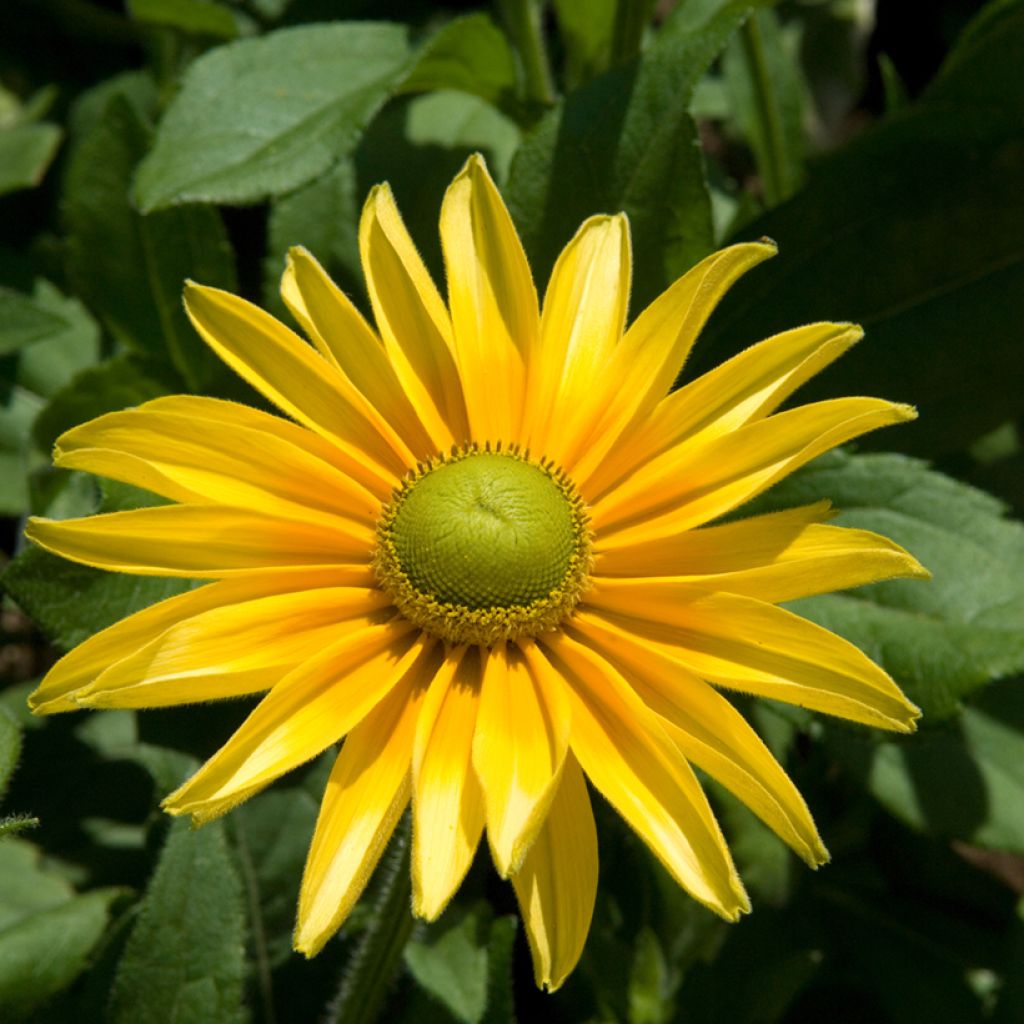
{"points": [[478, 550]]}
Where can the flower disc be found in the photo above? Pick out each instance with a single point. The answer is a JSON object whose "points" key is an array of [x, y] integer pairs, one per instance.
{"points": [[484, 546]]}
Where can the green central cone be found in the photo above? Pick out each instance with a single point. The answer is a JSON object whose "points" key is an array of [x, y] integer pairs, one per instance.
{"points": [[485, 531]]}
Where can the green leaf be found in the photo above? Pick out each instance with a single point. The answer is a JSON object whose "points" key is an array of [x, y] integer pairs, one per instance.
{"points": [[762, 70], [184, 958], [943, 638], [418, 144], [46, 931], [199, 17], [961, 781], [131, 268], [470, 54], [913, 230], [33, 374], [452, 961], [23, 321], [260, 117], [26, 151], [625, 141]]}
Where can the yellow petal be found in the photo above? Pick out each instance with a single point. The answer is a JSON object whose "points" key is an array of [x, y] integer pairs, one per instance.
{"points": [[747, 387], [655, 347], [493, 303], [232, 650], [341, 334], [522, 734], [184, 458], [748, 645], [82, 665], [411, 318], [447, 807], [557, 884], [583, 319], [626, 754], [280, 365], [198, 541], [689, 485], [711, 733], [313, 707], [366, 794], [216, 413], [776, 557]]}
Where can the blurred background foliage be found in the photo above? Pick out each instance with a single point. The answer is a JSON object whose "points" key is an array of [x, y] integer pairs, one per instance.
{"points": [[879, 143]]}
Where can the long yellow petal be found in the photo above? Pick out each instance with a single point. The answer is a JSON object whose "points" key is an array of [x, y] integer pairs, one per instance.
{"points": [[447, 805], [365, 796], [626, 754], [181, 457], [653, 351], [493, 303], [711, 733], [232, 650], [748, 645], [776, 557], [198, 541], [581, 325], [689, 485], [344, 338], [313, 707], [79, 667], [747, 387], [216, 413], [522, 734], [300, 382], [557, 884], [411, 318]]}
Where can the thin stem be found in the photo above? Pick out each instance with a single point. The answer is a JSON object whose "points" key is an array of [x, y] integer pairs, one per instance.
{"points": [[631, 17], [259, 936], [372, 967], [773, 171], [522, 19]]}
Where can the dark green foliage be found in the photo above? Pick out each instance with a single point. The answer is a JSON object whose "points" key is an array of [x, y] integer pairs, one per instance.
{"points": [[150, 142]]}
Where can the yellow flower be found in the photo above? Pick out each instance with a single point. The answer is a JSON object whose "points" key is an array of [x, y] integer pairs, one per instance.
{"points": [[478, 552]]}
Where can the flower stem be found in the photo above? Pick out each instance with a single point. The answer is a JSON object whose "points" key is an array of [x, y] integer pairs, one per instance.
{"points": [[522, 20], [773, 171], [631, 17], [372, 967]]}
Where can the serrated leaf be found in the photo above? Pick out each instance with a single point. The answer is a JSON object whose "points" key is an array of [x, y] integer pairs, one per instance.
{"points": [[184, 958], [260, 117], [912, 230], [943, 638], [625, 141], [131, 268], [46, 931], [26, 151]]}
